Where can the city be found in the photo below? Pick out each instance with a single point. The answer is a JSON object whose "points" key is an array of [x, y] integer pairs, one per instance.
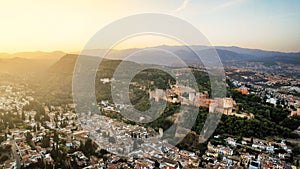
{"points": [[173, 84]]}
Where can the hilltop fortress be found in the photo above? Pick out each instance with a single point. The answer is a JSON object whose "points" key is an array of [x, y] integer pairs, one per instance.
{"points": [[188, 96]]}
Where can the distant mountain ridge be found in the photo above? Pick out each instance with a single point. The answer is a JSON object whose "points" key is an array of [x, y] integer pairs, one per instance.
{"points": [[257, 52], [43, 61], [227, 54]]}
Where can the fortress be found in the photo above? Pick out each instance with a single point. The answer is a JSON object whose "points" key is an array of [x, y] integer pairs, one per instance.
{"points": [[188, 96]]}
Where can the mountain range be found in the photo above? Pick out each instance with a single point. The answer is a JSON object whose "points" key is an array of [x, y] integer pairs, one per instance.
{"points": [[227, 54], [49, 61]]}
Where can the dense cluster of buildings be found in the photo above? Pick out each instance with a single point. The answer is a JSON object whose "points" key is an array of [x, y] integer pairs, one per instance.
{"points": [[275, 87], [14, 97], [246, 153], [136, 142]]}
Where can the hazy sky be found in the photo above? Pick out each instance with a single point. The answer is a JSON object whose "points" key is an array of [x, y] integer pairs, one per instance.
{"points": [[31, 25]]}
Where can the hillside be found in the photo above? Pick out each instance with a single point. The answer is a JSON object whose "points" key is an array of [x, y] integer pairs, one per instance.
{"points": [[27, 62], [21, 66], [57, 80], [55, 56], [273, 60]]}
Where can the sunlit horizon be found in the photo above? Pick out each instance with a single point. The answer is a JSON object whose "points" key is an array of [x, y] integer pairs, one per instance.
{"points": [[29, 26]]}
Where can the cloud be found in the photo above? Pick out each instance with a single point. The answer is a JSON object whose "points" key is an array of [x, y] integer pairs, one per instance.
{"points": [[182, 6], [207, 7], [226, 5]]}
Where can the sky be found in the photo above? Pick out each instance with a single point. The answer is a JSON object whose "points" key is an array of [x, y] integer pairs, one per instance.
{"points": [[40, 25]]}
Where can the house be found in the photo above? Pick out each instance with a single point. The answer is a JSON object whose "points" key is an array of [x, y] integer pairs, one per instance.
{"points": [[231, 141]]}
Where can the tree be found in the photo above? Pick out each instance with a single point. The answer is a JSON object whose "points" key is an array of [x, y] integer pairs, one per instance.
{"points": [[291, 122], [29, 137], [46, 141], [268, 114], [220, 157], [37, 117], [135, 146], [46, 117], [23, 115], [112, 140], [89, 148], [11, 125], [56, 140], [156, 164], [38, 127]]}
